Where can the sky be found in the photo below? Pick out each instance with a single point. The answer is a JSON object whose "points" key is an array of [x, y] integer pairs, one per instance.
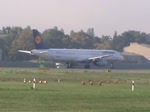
{"points": [[105, 16]]}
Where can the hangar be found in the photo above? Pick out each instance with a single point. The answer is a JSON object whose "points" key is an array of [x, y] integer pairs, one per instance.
{"points": [[137, 53]]}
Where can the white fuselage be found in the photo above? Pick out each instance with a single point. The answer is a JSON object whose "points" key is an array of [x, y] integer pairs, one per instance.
{"points": [[75, 55]]}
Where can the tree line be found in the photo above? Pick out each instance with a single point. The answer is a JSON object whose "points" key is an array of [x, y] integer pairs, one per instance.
{"points": [[13, 39]]}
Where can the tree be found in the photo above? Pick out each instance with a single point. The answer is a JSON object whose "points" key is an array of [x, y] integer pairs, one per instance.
{"points": [[66, 40], [142, 38], [106, 43], [126, 38], [81, 40], [72, 33], [119, 43], [90, 32], [11, 34], [53, 38], [25, 42], [105, 38], [115, 34]]}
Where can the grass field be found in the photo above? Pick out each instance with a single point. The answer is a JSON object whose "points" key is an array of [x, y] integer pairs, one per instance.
{"points": [[70, 95]]}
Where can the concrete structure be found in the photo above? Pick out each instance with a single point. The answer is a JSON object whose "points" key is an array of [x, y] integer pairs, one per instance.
{"points": [[134, 59], [140, 49]]}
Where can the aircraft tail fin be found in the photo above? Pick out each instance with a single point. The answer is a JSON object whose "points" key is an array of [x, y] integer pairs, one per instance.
{"points": [[38, 42]]}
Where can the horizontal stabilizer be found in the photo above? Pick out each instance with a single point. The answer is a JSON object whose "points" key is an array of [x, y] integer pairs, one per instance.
{"points": [[28, 52]]}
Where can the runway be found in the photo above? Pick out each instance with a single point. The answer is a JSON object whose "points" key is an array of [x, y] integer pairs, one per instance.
{"points": [[105, 70]]}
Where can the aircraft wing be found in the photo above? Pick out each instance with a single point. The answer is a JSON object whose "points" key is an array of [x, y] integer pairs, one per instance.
{"points": [[32, 52], [42, 52], [99, 57], [28, 52]]}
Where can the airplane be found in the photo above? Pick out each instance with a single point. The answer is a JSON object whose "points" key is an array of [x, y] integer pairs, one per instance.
{"points": [[71, 56]]}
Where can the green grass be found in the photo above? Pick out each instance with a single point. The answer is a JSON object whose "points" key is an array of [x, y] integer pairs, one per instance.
{"points": [[70, 95]]}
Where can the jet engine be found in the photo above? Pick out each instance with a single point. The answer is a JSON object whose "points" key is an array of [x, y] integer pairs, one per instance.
{"points": [[100, 62]]}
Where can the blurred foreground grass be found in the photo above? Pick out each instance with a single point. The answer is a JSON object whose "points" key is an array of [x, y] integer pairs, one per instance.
{"points": [[70, 95]]}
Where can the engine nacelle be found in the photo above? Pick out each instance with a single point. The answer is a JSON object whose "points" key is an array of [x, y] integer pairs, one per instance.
{"points": [[100, 63], [60, 65]]}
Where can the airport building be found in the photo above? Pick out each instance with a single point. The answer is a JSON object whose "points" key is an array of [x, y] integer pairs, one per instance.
{"points": [[137, 53]]}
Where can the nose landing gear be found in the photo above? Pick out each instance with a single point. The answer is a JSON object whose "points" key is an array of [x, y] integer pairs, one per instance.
{"points": [[69, 65]]}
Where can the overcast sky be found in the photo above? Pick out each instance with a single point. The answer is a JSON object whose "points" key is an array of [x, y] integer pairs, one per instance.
{"points": [[105, 16]]}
